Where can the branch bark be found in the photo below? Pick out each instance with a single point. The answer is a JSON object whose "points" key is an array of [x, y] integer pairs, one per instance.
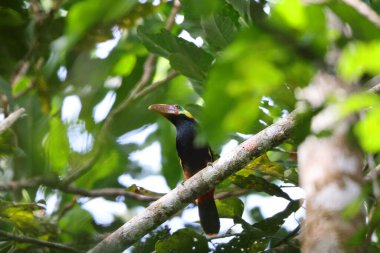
{"points": [[161, 210], [19, 238], [11, 119], [330, 171]]}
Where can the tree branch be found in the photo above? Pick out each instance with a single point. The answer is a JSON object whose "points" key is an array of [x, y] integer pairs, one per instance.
{"points": [[56, 184], [375, 89], [161, 210], [157, 84], [11, 119], [364, 10], [25, 239], [173, 13]]}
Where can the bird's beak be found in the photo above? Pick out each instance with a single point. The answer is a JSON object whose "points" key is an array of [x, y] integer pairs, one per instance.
{"points": [[164, 109]]}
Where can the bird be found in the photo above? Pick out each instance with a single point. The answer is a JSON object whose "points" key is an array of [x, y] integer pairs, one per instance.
{"points": [[193, 158]]}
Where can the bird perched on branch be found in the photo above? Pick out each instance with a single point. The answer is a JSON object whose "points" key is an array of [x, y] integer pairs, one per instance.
{"points": [[193, 158]]}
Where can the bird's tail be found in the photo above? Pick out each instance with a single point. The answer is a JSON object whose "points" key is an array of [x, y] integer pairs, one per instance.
{"points": [[208, 214]]}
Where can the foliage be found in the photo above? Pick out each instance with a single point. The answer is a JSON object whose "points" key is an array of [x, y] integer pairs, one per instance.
{"points": [[242, 74]]}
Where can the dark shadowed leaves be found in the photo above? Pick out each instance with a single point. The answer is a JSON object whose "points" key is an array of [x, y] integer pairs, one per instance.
{"points": [[183, 241]]}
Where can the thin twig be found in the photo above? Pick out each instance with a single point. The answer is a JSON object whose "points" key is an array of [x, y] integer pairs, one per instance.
{"points": [[171, 19], [232, 193], [25, 239], [78, 172], [56, 184], [111, 192], [364, 10], [213, 237], [375, 89], [11, 119], [157, 84]]}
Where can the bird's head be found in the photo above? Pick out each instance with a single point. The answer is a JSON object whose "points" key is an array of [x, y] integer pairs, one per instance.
{"points": [[171, 112]]}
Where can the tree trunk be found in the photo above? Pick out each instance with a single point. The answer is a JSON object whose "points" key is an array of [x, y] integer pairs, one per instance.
{"points": [[331, 175]]}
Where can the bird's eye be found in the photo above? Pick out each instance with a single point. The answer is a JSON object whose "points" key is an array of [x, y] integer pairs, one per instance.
{"points": [[178, 107]]}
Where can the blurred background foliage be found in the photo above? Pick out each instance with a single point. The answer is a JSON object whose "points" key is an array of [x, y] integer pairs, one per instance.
{"points": [[86, 71]]}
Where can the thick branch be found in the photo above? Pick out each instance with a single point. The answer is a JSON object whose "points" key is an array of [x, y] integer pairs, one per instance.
{"points": [[19, 238], [11, 119], [161, 210]]}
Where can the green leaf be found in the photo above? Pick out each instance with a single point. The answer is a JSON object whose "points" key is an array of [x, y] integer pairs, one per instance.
{"points": [[8, 142], [359, 58], [230, 208], [171, 168], [303, 23], [198, 8], [21, 215], [293, 13], [125, 65], [251, 11], [21, 85], [163, 43], [361, 26], [270, 225], [77, 225], [183, 241], [263, 165], [258, 184], [56, 145], [113, 159], [85, 14], [221, 27], [368, 130], [184, 56], [255, 65], [357, 102], [147, 244]]}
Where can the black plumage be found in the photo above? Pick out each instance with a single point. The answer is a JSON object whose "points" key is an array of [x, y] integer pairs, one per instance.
{"points": [[193, 158]]}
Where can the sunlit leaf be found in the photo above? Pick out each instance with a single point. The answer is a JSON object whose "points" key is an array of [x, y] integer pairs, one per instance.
{"points": [[292, 12], [368, 130], [84, 14], [56, 145], [255, 65], [21, 85], [357, 102], [230, 207], [21, 215], [359, 58], [263, 165], [125, 65]]}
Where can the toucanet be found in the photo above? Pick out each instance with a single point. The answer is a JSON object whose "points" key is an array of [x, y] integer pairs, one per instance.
{"points": [[193, 158]]}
